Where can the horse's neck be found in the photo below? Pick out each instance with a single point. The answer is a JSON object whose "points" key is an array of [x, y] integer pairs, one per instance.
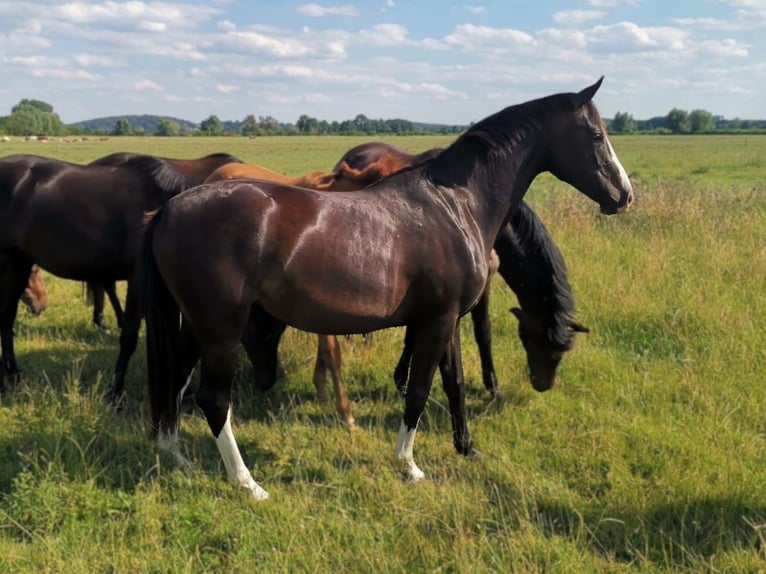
{"points": [[498, 179]]}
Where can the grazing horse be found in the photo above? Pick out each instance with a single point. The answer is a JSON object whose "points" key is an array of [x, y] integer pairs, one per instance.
{"points": [[413, 250], [35, 295], [77, 222], [530, 263], [195, 171]]}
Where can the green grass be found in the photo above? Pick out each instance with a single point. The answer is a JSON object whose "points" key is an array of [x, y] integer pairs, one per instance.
{"points": [[648, 456]]}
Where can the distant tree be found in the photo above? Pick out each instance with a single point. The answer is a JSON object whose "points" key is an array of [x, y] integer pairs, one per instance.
{"points": [[307, 124], [701, 121], [250, 125], [678, 121], [33, 117], [122, 128], [268, 124], [167, 127], [211, 126], [623, 123], [35, 104]]}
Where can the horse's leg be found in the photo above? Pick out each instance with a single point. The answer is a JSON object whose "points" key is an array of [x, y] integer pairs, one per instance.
{"points": [[14, 275], [261, 339], [96, 291], [111, 291], [451, 367], [483, 335], [128, 343], [401, 373], [429, 343], [321, 366], [214, 398], [188, 357], [329, 358]]}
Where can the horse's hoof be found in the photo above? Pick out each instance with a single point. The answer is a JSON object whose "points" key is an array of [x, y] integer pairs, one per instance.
{"points": [[464, 447], [115, 400]]}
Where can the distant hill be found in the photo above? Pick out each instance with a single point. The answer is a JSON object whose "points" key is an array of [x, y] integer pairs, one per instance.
{"points": [[146, 122]]}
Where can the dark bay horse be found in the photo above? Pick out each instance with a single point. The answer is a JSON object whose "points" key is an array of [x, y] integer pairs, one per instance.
{"points": [[532, 266], [77, 222], [195, 171], [530, 263], [412, 250]]}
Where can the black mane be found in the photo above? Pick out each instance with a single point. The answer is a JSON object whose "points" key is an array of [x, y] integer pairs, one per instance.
{"points": [[534, 268]]}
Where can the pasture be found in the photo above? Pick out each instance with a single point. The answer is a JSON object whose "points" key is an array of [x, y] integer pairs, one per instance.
{"points": [[648, 456]]}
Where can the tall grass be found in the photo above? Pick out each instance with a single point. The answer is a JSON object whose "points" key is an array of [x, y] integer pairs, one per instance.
{"points": [[649, 455]]}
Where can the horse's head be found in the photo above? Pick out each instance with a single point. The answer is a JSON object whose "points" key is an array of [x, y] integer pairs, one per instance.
{"points": [[35, 296], [544, 351], [580, 154]]}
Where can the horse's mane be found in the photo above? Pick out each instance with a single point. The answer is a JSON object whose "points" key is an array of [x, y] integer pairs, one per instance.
{"points": [[542, 260], [167, 180], [499, 133]]}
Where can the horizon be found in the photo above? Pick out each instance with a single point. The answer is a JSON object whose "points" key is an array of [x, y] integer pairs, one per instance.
{"points": [[449, 64]]}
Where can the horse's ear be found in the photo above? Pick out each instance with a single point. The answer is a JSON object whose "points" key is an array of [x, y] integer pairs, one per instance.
{"points": [[583, 97], [578, 327]]}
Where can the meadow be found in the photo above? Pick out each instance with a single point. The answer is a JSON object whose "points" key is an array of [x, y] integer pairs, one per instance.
{"points": [[648, 456]]}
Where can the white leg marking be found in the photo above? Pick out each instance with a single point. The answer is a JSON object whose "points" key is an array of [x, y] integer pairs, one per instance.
{"points": [[180, 396], [169, 443], [404, 452], [232, 460], [624, 179]]}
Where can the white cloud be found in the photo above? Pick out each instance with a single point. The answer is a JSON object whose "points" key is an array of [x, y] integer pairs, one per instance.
{"points": [[472, 38], [227, 88], [90, 60], [612, 3], [574, 17], [62, 74], [147, 86], [629, 37], [317, 11], [473, 9]]}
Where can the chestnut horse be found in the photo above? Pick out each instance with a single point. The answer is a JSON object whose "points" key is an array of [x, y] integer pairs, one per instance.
{"points": [[35, 295], [412, 251], [195, 171], [77, 222]]}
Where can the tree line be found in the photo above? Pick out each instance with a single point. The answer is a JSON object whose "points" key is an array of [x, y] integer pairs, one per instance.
{"points": [[35, 117], [679, 121]]}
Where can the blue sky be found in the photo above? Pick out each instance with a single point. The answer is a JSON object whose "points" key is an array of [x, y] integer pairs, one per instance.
{"points": [[433, 61]]}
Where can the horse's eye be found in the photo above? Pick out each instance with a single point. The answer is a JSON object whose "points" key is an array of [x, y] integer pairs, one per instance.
{"points": [[598, 136]]}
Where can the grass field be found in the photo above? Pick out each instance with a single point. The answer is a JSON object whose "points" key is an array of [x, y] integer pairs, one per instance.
{"points": [[648, 456]]}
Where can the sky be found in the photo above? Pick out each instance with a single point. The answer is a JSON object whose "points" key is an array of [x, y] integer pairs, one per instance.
{"points": [[434, 61]]}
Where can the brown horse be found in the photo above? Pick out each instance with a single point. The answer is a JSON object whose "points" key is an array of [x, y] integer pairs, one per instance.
{"points": [[530, 263], [77, 222], [411, 251], [35, 295], [195, 171]]}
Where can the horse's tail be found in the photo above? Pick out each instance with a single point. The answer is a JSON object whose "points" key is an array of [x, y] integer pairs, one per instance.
{"points": [[162, 334]]}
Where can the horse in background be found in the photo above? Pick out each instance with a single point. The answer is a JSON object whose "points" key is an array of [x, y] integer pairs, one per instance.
{"points": [[77, 222], [195, 171], [35, 295], [412, 251]]}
